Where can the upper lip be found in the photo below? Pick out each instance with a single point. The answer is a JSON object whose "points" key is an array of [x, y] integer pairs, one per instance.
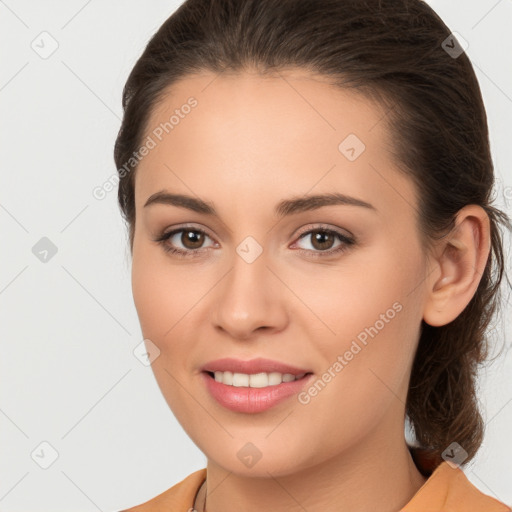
{"points": [[259, 365]]}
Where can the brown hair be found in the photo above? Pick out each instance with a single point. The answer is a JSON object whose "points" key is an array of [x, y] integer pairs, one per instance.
{"points": [[393, 51]]}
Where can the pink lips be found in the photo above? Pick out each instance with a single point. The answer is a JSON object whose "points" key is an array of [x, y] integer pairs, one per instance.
{"points": [[258, 365], [252, 400]]}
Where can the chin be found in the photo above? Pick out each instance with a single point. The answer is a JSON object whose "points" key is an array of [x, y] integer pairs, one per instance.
{"points": [[256, 459]]}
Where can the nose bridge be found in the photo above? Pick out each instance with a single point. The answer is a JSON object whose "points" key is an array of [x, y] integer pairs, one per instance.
{"points": [[248, 299], [247, 282]]}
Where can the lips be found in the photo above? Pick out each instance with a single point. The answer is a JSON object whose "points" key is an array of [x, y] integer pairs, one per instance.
{"points": [[259, 365], [250, 400]]}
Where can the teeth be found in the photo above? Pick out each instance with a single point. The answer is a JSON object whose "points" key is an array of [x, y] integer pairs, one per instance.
{"points": [[256, 380]]}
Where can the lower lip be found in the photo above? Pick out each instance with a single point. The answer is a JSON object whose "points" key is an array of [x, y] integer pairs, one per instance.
{"points": [[252, 400]]}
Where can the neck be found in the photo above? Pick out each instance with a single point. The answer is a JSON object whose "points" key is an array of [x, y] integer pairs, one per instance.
{"points": [[355, 480]]}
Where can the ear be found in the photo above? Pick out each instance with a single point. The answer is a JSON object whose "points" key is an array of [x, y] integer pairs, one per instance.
{"points": [[458, 264]]}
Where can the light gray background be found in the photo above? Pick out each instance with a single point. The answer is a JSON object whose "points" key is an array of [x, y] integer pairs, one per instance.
{"points": [[69, 326]]}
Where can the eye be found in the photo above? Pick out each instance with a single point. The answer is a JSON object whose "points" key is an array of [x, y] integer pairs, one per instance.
{"points": [[191, 240], [322, 240]]}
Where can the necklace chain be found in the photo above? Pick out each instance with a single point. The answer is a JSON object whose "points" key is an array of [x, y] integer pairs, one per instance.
{"points": [[203, 508]]}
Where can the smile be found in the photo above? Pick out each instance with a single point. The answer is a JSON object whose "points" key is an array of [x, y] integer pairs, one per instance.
{"points": [[253, 393]]}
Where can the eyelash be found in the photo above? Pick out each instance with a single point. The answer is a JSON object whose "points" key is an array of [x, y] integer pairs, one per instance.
{"points": [[191, 253]]}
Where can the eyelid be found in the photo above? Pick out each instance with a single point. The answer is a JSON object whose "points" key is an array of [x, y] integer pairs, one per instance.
{"points": [[326, 227], [347, 240], [184, 227], [302, 231]]}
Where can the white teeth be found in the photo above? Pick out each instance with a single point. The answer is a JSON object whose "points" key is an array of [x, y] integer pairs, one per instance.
{"points": [[274, 378], [240, 379], [256, 380]]}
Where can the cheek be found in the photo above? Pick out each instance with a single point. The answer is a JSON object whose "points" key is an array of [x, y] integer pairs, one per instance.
{"points": [[352, 294], [154, 293], [369, 313], [158, 295], [166, 298]]}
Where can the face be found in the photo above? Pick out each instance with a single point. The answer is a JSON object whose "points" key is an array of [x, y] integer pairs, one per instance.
{"points": [[333, 289]]}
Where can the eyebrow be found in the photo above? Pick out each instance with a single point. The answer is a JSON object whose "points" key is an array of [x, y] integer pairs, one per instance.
{"points": [[284, 208]]}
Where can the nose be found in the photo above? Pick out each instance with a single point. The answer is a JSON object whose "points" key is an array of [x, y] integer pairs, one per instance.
{"points": [[250, 299]]}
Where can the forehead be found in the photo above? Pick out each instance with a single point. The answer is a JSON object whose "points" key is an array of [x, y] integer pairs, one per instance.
{"points": [[248, 134]]}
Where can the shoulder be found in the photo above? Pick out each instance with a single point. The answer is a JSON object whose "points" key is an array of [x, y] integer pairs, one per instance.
{"points": [[179, 497], [448, 488]]}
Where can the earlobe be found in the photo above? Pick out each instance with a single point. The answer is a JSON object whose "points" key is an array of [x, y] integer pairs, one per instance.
{"points": [[460, 262]]}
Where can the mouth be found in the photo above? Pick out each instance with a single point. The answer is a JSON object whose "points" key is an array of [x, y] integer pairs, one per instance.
{"points": [[253, 393]]}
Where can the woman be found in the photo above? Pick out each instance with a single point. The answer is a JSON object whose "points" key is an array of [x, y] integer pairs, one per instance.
{"points": [[315, 256]]}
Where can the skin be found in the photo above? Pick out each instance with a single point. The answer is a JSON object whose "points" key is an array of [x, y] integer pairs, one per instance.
{"points": [[251, 142]]}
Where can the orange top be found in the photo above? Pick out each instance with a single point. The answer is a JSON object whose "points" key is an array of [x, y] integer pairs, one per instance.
{"points": [[447, 489]]}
